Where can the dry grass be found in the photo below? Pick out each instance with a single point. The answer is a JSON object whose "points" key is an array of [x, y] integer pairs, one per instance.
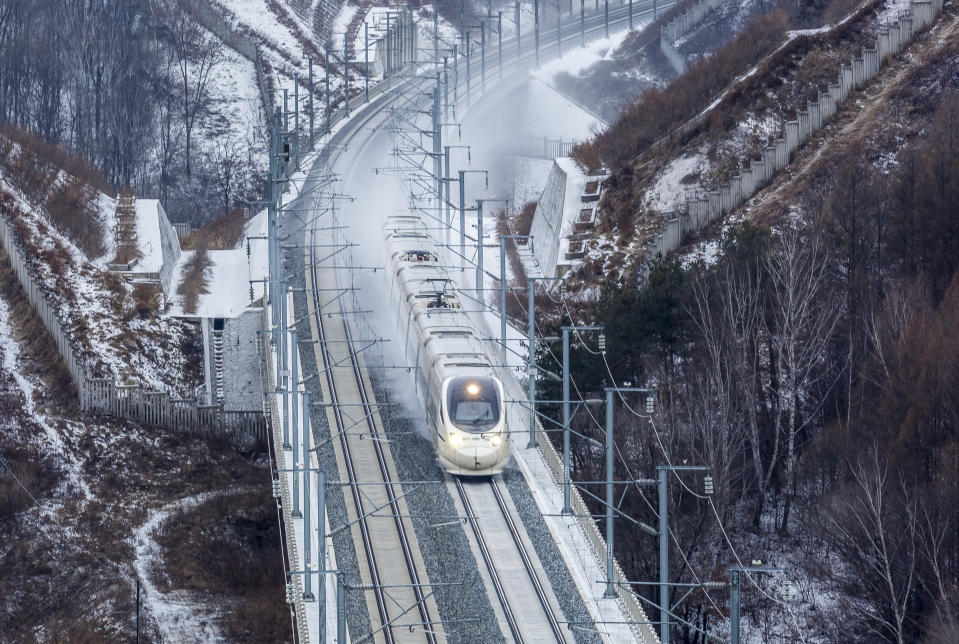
{"points": [[70, 202], [194, 282], [36, 342], [223, 233], [229, 548]]}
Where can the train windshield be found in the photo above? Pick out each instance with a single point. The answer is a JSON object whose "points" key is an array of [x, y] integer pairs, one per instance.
{"points": [[473, 403]]}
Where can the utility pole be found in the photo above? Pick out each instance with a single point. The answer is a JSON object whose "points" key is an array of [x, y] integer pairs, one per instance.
{"points": [[567, 492], [327, 50], [499, 30], [456, 76], [340, 608], [663, 531], [366, 57], [536, 28], [462, 182], [436, 33], [630, 15], [606, 20], [483, 57], [519, 45], [480, 242], [295, 425], [531, 358], [466, 44], [138, 611], [582, 23], [446, 96], [307, 591], [321, 550], [437, 145], [311, 100], [296, 120], [346, 74], [610, 534], [389, 52], [559, 32]]}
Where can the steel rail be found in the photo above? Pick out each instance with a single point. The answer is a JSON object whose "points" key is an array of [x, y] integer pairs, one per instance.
{"points": [[528, 564], [391, 493], [488, 560], [351, 473], [384, 470]]}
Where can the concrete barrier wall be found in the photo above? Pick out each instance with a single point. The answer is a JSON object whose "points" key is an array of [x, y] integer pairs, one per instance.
{"points": [[680, 26], [547, 226], [701, 211], [676, 60]]}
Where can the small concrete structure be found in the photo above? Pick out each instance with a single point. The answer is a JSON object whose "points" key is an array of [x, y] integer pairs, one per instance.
{"points": [[565, 215], [157, 247]]}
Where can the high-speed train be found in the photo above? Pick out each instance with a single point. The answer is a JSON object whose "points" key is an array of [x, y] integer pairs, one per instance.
{"points": [[464, 401]]}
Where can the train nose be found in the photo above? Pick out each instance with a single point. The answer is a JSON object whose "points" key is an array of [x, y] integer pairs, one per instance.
{"points": [[477, 457]]}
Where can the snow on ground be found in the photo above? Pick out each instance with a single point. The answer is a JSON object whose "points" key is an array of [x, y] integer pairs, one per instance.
{"points": [[148, 236], [10, 359], [231, 276], [237, 118], [668, 193], [107, 209], [891, 10], [174, 613], [342, 23], [257, 16], [140, 350], [554, 115]]}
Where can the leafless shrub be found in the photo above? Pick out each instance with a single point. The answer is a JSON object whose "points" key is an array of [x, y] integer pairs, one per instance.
{"points": [[194, 283], [223, 233]]}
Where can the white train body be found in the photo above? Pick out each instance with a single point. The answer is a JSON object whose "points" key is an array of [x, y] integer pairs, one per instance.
{"points": [[463, 397]]}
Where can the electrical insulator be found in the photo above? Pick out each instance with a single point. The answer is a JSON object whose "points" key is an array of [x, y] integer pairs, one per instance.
{"points": [[649, 404], [602, 342], [709, 484], [289, 593], [276, 488], [562, 290], [247, 246]]}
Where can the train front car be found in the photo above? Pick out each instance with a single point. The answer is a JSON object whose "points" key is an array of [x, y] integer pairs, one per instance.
{"points": [[453, 375], [473, 438]]}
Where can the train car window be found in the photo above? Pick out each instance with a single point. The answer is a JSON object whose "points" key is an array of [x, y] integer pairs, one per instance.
{"points": [[473, 403]]}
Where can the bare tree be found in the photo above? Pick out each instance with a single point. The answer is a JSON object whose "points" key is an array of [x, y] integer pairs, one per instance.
{"points": [[227, 166], [804, 316], [197, 54], [880, 544]]}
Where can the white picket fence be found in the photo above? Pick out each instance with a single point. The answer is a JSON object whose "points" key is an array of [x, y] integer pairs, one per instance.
{"points": [[104, 396]]}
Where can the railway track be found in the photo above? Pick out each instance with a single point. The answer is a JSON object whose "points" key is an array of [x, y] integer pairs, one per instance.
{"points": [[396, 584], [482, 515], [383, 570]]}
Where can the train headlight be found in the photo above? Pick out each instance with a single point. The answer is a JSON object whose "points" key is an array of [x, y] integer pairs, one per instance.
{"points": [[472, 389], [496, 440], [456, 439]]}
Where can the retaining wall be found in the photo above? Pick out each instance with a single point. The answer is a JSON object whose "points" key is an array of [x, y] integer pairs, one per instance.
{"points": [[706, 209], [680, 26]]}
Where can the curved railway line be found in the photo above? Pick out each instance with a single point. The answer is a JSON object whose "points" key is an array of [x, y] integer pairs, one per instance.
{"points": [[364, 507], [399, 585]]}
